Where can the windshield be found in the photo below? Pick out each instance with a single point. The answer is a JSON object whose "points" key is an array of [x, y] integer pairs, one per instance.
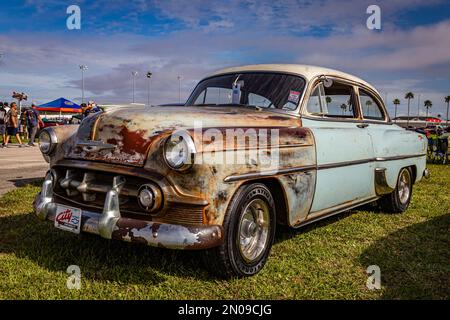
{"points": [[263, 90]]}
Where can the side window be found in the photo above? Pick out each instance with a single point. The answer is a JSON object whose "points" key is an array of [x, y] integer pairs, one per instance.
{"points": [[339, 99], [370, 108], [336, 101], [314, 106]]}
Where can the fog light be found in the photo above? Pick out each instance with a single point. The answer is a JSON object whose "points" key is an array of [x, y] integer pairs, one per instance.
{"points": [[146, 198], [149, 197]]}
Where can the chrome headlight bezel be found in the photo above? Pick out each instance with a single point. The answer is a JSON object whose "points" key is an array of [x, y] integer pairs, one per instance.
{"points": [[175, 160], [47, 141]]}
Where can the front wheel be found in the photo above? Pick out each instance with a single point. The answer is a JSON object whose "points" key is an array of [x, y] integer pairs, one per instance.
{"points": [[398, 201], [249, 227]]}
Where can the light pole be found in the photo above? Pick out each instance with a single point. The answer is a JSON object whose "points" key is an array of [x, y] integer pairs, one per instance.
{"points": [[149, 76], [418, 106], [82, 68], [179, 88], [133, 76]]}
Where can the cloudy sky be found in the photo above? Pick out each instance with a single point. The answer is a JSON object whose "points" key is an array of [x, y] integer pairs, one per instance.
{"points": [[192, 38]]}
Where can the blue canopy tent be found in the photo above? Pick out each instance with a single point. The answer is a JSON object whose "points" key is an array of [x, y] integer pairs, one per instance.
{"points": [[60, 105]]}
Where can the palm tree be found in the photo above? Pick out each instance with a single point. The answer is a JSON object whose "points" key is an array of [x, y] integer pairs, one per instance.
{"points": [[409, 96], [428, 104], [396, 102], [344, 108], [328, 99], [447, 100]]}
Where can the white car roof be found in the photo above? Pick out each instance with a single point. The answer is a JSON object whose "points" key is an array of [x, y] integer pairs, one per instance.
{"points": [[307, 71]]}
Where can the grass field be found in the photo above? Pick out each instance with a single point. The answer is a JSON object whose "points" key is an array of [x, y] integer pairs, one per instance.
{"points": [[327, 260]]}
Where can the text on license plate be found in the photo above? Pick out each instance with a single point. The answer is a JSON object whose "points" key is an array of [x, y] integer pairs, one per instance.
{"points": [[68, 218]]}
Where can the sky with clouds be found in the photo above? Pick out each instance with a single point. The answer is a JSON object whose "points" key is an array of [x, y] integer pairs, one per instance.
{"points": [[192, 38]]}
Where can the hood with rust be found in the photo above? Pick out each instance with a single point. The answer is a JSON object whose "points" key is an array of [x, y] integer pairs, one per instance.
{"points": [[128, 132]]}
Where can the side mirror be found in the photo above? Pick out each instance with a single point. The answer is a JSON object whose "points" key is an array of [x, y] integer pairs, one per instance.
{"points": [[327, 82]]}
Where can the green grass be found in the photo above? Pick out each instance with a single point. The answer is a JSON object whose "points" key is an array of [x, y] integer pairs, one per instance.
{"points": [[327, 260]]}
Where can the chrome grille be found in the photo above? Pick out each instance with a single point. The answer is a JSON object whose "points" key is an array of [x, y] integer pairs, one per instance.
{"points": [[87, 189]]}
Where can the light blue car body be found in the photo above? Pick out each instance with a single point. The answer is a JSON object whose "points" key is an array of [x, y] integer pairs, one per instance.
{"points": [[338, 142]]}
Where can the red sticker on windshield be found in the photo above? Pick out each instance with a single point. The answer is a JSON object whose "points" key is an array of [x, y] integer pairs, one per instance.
{"points": [[294, 96]]}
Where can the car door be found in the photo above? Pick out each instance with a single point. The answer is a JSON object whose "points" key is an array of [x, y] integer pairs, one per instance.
{"points": [[345, 169], [394, 147]]}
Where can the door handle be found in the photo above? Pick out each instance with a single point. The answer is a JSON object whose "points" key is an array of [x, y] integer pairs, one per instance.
{"points": [[362, 125]]}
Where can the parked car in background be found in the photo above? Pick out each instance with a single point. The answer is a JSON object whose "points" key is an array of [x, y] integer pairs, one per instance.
{"points": [[51, 123], [253, 147], [417, 122]]}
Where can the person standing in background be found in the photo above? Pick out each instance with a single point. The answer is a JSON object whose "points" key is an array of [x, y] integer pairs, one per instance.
{"points": [[83, 110], [3, 114], [12, 125], [6, 106], [23, 125], [33, 122], [90, 109]]}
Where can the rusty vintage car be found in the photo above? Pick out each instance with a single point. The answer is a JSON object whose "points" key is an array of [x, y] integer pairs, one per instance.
{"points": [[253, 147]]}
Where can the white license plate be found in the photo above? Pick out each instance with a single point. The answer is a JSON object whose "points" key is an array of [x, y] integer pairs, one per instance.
{"points": [[68, 218]]}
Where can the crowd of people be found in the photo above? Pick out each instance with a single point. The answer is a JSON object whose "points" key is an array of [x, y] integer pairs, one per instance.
{"points": [[87, 109], [20, 126], [27, 124]]}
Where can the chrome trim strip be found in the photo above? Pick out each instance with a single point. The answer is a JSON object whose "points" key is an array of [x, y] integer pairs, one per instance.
{"points": [[268, 147], [362, 161], [262, 174], [344, 164], [399, 157]]}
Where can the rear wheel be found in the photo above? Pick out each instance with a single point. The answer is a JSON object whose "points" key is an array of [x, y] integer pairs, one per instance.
{"points": [[398, 201], [249, 227]]}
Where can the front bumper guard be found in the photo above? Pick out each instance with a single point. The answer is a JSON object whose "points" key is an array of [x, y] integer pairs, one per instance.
{"points": [[110, 224]]}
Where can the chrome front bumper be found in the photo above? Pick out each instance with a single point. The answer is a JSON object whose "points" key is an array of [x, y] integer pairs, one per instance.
{"points": [[110, 225]]}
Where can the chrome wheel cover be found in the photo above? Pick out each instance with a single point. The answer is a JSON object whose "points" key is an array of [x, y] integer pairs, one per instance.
{"points": [[253, 230], [404, 186]]}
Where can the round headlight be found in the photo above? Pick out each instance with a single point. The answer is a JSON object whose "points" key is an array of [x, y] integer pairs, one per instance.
{"points": [[47, 141], [44, 142], [179, 151]]}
